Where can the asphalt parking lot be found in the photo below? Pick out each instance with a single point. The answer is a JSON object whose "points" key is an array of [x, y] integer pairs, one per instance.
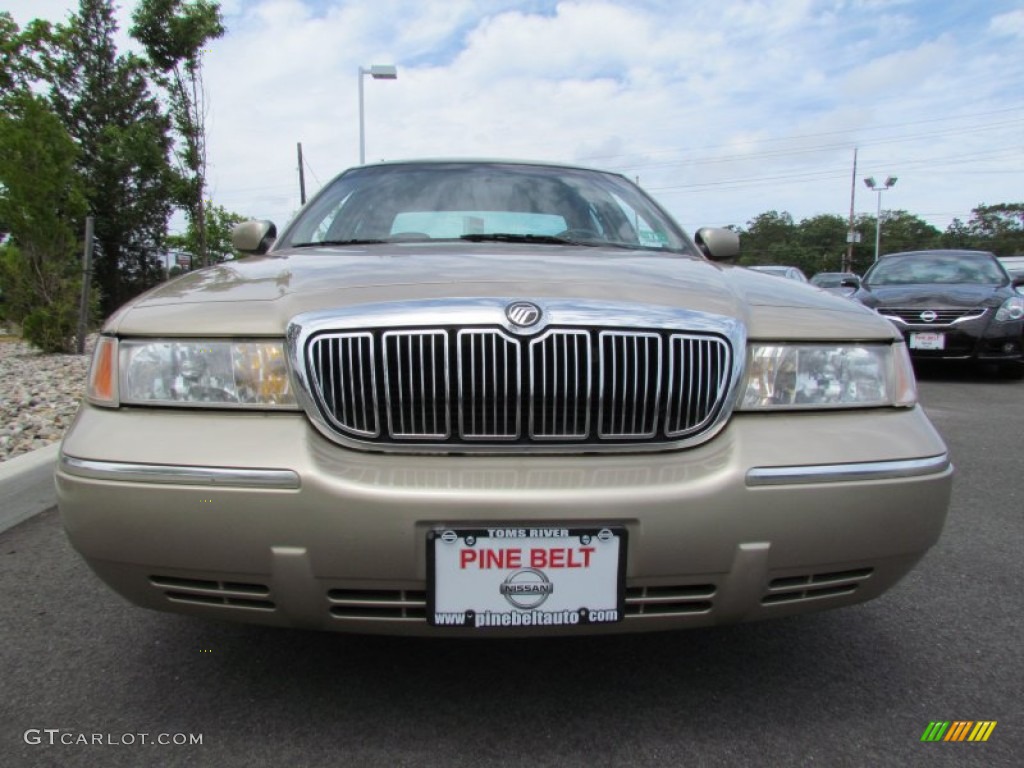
{"points": [[853, 687]]}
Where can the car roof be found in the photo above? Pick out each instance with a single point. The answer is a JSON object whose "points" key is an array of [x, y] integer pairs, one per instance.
{"points": [[943, 251], [427, 161]]}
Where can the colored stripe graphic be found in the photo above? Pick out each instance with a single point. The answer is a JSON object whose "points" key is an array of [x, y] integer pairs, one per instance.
{"points": [[958, 730], [982, 730]]}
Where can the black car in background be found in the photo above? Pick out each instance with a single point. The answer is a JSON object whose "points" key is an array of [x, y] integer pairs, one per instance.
{"points": [[950, 305], [1014, 265]]}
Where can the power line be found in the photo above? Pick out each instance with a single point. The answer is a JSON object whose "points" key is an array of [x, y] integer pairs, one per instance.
{"points": [[843, 132], [816, 149]]}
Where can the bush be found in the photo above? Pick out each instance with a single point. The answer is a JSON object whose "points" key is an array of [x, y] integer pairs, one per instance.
{"points": [[42, 300], [52, 329]]}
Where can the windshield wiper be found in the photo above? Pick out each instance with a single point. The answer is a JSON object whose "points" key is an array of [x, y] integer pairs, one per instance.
{"points": [[337, 242], [508, 237]]}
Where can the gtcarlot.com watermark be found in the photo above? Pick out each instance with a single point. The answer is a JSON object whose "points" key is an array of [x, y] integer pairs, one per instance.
{"points": [[65, 737]]}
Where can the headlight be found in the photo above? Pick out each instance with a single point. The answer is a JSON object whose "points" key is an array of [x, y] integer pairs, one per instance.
{"points": [[794, 376], [1012, 309], [191, 373]]}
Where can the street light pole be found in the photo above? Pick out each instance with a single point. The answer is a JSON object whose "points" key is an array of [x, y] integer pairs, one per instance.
{"points": [[874, 187], [377, 72]]}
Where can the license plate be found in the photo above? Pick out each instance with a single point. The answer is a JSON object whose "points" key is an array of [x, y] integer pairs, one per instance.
{"points": [[927, 341], [525, 576]]}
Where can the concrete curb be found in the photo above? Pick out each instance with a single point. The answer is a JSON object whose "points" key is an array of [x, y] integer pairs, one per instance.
{"points": [[26, 485]]}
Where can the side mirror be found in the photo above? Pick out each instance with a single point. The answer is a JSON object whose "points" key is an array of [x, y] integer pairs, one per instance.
{"points": [[850, 282], [254, 237], [718, 244], [1018, 281]]}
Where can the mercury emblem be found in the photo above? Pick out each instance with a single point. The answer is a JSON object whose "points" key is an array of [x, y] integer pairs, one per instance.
{"points": [[522, 313]]}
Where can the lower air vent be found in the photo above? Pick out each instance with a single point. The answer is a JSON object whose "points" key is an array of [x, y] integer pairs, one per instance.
{"points": [[815, 586], [665, 601], [371, 604], [231, 594]]}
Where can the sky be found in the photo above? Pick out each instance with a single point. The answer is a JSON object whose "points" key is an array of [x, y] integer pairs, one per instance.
{"points": [[721, 109]]}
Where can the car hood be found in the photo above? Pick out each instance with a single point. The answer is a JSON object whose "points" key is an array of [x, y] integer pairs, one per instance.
{"points": [[942, 296], [259, 295]]}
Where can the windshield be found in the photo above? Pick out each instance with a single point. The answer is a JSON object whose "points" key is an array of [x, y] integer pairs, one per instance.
{"points": [[479, 201], [936, 268]]}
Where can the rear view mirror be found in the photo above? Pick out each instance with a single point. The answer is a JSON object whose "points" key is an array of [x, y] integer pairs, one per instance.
{"points": [[718, 244], [254, 237]]}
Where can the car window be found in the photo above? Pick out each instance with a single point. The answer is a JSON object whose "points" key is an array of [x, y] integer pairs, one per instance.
{"points": [[453, 224], [450, 201], [645, 232], [827, 281], [936, 268]]}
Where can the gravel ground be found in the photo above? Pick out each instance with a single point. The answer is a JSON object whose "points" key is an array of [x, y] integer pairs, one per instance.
{"points": [[39, 395]]}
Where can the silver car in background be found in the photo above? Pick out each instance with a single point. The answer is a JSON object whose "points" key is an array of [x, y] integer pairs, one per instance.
{"points": [[778, 270], [839, 283], [464, 398]]}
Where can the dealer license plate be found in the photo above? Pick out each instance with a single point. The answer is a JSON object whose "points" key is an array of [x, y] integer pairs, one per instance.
{"points": [[927, 341], [526, 576]]}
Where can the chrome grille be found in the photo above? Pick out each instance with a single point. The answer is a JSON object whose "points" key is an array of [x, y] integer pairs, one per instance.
{"points": [[481, 385], [630, 384], [942, 316], [560, 386], [697, 380], [489, 376], [346, 381], [416, 383]]}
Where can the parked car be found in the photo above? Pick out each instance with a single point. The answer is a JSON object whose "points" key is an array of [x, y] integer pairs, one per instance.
{"points": [[485, 398], [950, 305], [791, 273], [839, 283], [1014, 266]]}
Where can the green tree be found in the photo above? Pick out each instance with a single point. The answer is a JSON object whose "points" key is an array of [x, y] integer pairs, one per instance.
{"points": [[902, 231], [773, 238], [40, 200], [175, 34], [998, 228], [767, 238], [125, 146], [823, 239], [23, 54], [957, 235], [219, 223]]}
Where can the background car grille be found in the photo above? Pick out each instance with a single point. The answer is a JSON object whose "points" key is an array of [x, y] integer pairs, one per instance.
{"points": [[942, 316], [484, 386]]}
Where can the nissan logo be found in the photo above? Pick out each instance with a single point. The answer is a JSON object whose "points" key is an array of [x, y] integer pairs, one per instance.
{"points": [[523, 314], [526, 588], [929, 316]]}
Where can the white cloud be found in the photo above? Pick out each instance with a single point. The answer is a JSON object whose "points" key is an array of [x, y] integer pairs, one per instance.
{"points": [[726, 108], [1011, 23]]}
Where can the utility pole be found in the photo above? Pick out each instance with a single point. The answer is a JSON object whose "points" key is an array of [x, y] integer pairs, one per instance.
{"points": [[851, 235], [83, 306], [302, 177]]}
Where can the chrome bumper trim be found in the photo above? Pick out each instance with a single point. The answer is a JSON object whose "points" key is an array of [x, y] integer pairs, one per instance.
{"points": [[169, 474], [839, 473]]}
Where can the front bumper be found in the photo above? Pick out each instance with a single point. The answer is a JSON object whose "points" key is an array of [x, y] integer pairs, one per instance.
{"points": [[979, 339], [255, 517]]}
